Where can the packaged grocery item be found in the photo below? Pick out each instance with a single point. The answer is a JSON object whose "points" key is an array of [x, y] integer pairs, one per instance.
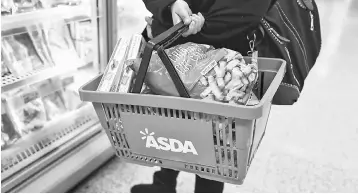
{"points": [[7, 7], [23, 6], [55, 3], [191, 62], [207, 73], [124, 79], [70, 93], [20, 55], [26, 109], [15, 56], [9, 135], [61, 45], [4, 70], [115, 66], [33, 55], [52, 96], [83, 39], [38, 40]]}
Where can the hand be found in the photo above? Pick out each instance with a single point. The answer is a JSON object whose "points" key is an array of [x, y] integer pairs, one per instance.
{"points": [[149, 21], [181, 12], [196, 24]]}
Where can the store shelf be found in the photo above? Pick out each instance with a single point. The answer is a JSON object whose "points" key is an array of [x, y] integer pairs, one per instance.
{"points": [[38, 144], [71, 169], [66, 13], [11, 82], [34, 173]]}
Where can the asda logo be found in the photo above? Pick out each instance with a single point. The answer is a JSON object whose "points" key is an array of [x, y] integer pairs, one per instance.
{"points": [[167, 144]]}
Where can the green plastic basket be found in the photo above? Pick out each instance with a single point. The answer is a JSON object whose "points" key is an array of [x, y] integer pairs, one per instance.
{"points": [[182, 133]]}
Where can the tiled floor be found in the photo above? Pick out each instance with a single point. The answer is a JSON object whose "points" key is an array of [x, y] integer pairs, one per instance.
{"points": [[309, 147]]}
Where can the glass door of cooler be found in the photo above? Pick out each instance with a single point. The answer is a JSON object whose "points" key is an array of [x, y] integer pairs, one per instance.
{"points": [[125, 18], [49, 48]]}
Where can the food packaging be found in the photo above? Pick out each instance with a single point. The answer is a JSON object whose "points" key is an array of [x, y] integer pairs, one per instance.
{"points": [[207, 73], [40, 44], [52, 96], [20, 55], [26, 109], [191, 61], [124, 79], [9, 135], [115, 66], [82, 35], [71, 95], [15, 56], [61, 45], [4, 70]]}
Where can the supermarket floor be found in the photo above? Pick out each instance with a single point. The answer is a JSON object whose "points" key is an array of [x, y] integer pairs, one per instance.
{"points": [[309, 147]]}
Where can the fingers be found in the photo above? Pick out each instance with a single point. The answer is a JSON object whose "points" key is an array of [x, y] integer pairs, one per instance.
{"points": [[201, 19], [176, 18], [149, 20], [195, 25], [149, 32], [192, 27], [182, 10], [185, 16]]}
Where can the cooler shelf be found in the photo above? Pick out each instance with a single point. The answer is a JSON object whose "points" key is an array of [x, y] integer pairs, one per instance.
{"points": [[38, 144], [67, 13]]}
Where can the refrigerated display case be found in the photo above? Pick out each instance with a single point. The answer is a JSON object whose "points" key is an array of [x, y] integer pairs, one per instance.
{"points": [[50, 140], [127, 18]]}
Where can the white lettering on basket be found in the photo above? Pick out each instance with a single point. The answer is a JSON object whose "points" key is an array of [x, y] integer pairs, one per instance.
{"points": [[168, 144]]}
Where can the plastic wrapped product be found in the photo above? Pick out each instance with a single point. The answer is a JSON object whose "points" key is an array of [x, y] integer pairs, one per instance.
{"points": [[15, 56], [55, 3], [7, 7], [54, 105], [114, 67], [61, 45], [4, 70], [40, 44], [34, 57], [124, 78], [52, 96], [23, 6], [9, 135], [191, 61], [207, 73], [70, 93], [26, 110], [83, 40]]}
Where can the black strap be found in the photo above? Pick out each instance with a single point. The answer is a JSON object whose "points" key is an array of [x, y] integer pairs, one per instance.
{"points": [[159, 44], [179, 85]]}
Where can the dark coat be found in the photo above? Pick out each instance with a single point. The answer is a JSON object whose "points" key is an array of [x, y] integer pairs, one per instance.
{"points": [[283, 27]]}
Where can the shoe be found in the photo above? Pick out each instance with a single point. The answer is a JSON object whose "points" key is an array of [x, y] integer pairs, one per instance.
{"points": [[152, 188], [163, 182]]}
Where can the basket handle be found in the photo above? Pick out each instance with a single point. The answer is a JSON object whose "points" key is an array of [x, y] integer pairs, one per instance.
{"points": [[159, 44]]}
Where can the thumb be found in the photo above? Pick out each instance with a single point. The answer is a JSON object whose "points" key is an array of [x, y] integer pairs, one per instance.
{"points": [[185, 17], [176, 18]]}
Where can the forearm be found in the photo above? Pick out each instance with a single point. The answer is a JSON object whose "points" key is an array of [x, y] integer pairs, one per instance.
{"points": [[227, 19]]}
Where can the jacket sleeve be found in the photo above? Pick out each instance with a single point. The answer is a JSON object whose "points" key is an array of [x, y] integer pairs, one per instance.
{"points": [[226, 19], [161, 11]]}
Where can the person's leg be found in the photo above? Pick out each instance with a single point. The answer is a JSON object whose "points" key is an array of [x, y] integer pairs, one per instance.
{"points": [[208, 186], [164, 181]]}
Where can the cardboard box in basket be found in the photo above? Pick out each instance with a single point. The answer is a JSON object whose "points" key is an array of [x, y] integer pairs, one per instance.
{"points": [[118, 76]]}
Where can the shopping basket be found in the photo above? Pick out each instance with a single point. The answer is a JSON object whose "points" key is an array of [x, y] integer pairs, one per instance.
{"points": [[183, 133]]}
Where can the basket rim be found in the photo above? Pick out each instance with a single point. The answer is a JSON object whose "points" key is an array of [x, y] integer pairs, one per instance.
{"points": [[88, 93]]}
